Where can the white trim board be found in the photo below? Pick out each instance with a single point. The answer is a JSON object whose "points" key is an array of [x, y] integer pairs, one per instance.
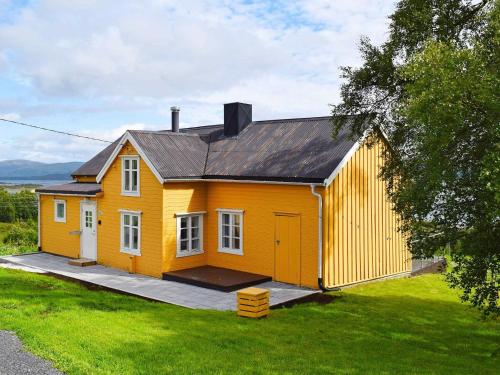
{"points": [[350, 153], [127, 137]]}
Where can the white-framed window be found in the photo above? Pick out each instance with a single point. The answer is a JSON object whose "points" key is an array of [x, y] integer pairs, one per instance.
{"points": [[230, 231], [130, 175], [130, 232], [189, 234], [59, 210]]}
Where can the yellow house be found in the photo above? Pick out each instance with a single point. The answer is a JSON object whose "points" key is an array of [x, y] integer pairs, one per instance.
{"points": [[277, 198]]}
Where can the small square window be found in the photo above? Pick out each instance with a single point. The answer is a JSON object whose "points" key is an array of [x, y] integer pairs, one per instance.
{"points": [[60, 211]]}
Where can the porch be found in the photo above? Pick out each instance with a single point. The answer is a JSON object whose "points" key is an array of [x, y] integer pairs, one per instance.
{"points": [[173, 292]]}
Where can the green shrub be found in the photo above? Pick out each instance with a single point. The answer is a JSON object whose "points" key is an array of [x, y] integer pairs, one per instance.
{"points": [[22, 234]]}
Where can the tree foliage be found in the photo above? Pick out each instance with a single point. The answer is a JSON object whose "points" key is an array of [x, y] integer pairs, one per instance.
{"points": [[434, 88], [21, 206]]}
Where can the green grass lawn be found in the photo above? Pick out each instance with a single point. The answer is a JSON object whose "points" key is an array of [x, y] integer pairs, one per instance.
{"points": [[399, 326]]}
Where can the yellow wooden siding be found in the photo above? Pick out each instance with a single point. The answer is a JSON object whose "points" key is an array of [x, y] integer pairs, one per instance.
{"points": [[85, 178], [181, 198], [150, 203], [260, 202], [360, 236], [60, 238]]}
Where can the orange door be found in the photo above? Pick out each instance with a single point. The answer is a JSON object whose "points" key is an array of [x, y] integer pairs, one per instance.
{"points": [[287, 248]]}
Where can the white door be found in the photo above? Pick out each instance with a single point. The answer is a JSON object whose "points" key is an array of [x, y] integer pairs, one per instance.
{"points": [[88, 238]]}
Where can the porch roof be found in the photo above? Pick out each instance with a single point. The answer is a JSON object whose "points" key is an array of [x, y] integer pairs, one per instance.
{"points": [[73, 188]]}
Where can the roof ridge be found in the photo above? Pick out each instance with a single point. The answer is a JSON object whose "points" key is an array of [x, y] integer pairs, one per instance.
{"points": [[164, 132], [302, 119]]}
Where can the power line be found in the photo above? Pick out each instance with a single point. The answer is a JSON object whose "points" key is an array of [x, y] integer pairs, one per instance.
{"points": [[54, 131]]}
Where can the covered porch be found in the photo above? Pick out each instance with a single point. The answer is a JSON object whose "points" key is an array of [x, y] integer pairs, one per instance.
{"points": [[168, 291]]}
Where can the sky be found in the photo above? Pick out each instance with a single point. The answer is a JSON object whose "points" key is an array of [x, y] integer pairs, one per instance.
{"points": [[100, 67]]}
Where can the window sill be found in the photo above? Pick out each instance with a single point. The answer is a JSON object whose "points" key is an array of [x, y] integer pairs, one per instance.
{"points": [[131, 252], [193, 253], [131, 194], [230, 251], [60, 221]]}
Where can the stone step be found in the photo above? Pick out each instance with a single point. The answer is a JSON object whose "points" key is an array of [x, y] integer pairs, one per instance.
{"points": [[82, 262]]}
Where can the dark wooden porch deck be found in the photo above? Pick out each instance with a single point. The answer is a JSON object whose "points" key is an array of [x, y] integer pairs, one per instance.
{"points": [[217, 278]]}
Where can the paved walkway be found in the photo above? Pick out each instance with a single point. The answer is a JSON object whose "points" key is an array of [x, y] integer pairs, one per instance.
{"points": [[14, 360], [159, 290]]}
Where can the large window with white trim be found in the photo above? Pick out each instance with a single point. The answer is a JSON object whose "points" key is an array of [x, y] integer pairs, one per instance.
{"points": [[130, 175], [59, 211], [231, 231], [130, 232], [189, 234]]}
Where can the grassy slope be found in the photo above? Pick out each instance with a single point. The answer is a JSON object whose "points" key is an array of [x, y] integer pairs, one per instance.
{"points": [[400, 326]]}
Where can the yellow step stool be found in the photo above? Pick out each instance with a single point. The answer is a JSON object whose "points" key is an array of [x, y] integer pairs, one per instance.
{"points": [[253, 302]]}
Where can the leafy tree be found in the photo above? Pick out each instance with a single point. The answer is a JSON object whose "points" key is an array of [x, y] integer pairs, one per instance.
{"points": [[25, 204], [7, 210], [433, 87]]}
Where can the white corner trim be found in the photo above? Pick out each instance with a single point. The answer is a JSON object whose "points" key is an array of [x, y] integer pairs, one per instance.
{"points": [[179, 214], [320, 230], [128, 137], [355, 147], [111, 158], [229, 210]]}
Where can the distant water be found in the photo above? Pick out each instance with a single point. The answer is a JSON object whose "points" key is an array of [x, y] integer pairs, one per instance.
{"points": [[34, 182]]}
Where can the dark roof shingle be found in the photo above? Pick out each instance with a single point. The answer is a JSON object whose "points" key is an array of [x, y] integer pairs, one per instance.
{"points": [[300, 150]]}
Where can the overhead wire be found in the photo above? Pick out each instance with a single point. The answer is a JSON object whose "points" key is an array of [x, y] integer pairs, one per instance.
{"points": [[54, 131]]}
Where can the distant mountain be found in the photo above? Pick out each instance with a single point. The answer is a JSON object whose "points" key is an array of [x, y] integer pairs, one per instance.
{"points": [[27, 169]]}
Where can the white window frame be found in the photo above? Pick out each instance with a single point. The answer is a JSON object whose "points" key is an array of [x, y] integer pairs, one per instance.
{"points": [[58, 219], [230, 250], [129, 250], [131, 193], [190, 251]]}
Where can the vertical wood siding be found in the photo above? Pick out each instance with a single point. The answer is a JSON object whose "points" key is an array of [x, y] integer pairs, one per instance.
{"points": [[361, 240]]}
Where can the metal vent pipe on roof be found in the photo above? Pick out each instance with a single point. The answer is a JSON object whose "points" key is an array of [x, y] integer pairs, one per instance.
{"points": [[175, 119]]}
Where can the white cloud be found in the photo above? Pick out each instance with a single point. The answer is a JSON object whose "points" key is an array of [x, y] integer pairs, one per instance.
{"points": [[168, 48], [282, 56], [60, 148], [10, 116]]}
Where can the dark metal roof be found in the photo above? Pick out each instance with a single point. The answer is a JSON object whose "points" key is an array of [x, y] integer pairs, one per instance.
{"points": [[300, 150], [94, 165], [78, 188], [174, 155], [295, 149]]}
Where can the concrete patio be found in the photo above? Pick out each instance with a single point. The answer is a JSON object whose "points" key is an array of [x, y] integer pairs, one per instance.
{"points": [[172, 292]]}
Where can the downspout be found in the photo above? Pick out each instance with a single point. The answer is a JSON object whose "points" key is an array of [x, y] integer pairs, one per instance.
{"points": [[39, 243], [320, 241]]}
